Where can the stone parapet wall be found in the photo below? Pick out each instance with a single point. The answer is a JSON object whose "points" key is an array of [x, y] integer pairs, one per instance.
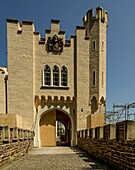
{"points": [[114, 144], [14, 142]]}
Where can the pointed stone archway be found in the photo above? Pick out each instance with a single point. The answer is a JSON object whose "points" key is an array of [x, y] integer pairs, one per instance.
{"points": [[47, 127]]}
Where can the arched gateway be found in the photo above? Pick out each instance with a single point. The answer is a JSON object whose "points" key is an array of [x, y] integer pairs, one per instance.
{"points": [[46, 129]]}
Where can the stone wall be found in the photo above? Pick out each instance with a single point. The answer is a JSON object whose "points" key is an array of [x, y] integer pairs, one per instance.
{"points": [[114, 144], [14, 142], [12, 120], [21, 70]]}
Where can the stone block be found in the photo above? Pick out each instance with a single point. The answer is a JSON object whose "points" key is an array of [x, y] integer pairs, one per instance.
{"points": [[11, 134], [125, 130], [92, 133], [83, 133], [130, 131], [96, 120], [6, 134], [15, 134], [86, 133], [99, 132], [109, 131], [12, 120], [1, 134], [25, 134], [121, 131]]}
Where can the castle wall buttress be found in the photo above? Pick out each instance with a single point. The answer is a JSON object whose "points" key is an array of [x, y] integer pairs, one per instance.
{"points": [[82, 77], [21, 70]]}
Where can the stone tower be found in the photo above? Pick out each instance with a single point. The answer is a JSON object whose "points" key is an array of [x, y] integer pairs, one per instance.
{"points": [[96, 27]]}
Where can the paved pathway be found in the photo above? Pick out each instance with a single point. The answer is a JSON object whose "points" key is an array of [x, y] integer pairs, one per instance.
{"points": [[55, 158]]}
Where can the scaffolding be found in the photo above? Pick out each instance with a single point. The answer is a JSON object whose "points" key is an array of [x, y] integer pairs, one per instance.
{"points": [[120, 113]]}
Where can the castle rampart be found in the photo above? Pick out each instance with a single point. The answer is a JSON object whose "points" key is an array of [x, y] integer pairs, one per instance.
{"points": [[114, 144], [14, 142]]}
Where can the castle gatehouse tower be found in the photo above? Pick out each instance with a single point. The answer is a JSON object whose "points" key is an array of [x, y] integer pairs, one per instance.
{"points": [[52, 80]]}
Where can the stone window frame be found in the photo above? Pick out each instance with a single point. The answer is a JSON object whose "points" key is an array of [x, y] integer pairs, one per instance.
{"points": [[58, 77], [64, 76], [44, 77]]}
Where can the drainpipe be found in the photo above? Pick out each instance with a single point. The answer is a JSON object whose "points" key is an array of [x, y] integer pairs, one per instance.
{"points": [[6, 79]]}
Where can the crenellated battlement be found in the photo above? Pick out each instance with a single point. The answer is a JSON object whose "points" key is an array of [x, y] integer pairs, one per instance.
{"points": [[14, 25], [21, 27], [100, 14]]}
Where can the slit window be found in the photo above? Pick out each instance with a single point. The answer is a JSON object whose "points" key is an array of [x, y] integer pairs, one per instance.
{"points": [[94, 45], [102, 78], [94, 78], [102, 46]]}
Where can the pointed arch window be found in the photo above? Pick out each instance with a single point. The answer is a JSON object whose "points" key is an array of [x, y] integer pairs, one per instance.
{"points": [[47, 75], [64, 76], [55, 76]]}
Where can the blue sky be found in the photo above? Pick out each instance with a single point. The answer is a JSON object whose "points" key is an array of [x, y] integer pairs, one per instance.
{"points": [[120, 35]]}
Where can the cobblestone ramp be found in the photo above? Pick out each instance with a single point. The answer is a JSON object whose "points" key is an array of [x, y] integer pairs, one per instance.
{"points": [[55, 158]]}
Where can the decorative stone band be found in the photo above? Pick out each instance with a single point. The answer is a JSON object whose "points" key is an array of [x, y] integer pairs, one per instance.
{"points": [[44, 100]]}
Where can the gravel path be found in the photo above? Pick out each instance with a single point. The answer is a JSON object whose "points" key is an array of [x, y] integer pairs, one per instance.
{"points": [[55, 158]]}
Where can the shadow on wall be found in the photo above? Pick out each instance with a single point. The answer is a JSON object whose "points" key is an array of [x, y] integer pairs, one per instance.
{"points": [[94, 105], [96, 118], [94, 163], [48, 118]]}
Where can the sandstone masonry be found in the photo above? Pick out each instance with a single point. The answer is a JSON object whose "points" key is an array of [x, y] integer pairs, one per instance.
{"points": [[114, 144], [56, 76]]}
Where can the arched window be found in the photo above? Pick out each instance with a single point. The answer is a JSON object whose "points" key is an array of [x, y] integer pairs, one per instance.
{"points": [[55, 76], [64, 76], [94, 105], [47, 75]]}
